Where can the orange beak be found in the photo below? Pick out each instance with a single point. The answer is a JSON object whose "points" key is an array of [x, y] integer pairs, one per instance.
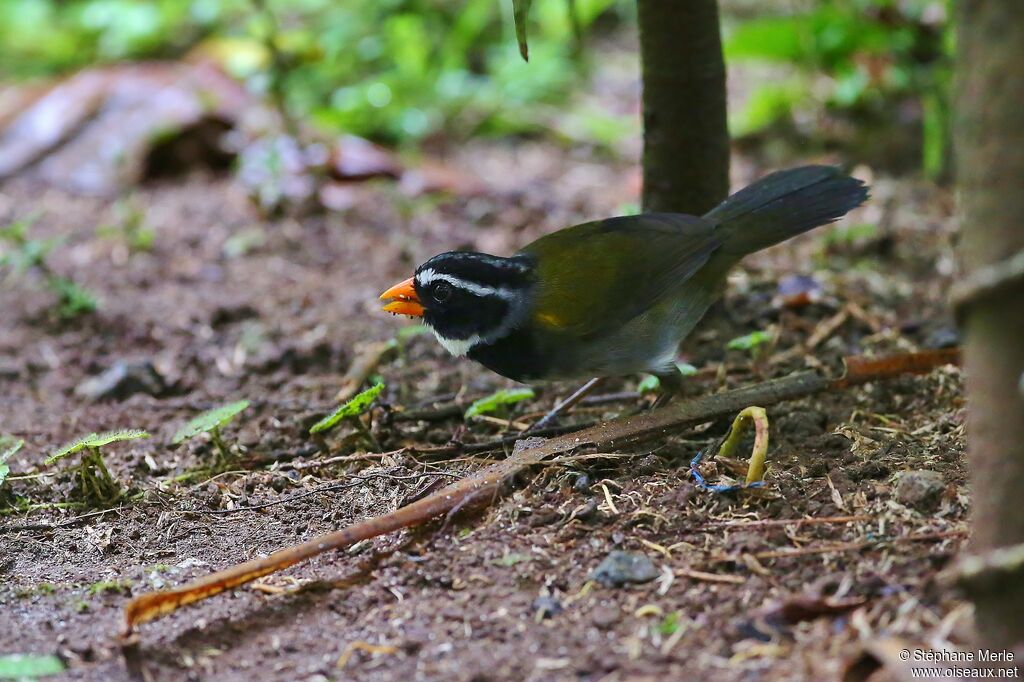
{"points": [[403, 299]]}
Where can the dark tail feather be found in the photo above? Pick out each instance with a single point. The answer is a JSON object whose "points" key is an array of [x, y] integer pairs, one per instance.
{"points": [[785, 204]]}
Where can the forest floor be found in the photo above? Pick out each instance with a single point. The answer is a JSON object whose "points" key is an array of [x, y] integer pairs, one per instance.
{"points": [[229, 306]]}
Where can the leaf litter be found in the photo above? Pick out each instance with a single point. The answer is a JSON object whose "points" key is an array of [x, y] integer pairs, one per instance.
{"points": [[427, 589]]}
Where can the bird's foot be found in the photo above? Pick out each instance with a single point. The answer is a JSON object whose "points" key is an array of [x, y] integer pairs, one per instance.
{"points": [[670, 384], [564, 406]]}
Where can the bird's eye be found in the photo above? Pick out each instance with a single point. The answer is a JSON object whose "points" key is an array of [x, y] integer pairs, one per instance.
{"points": [[442, 292]]}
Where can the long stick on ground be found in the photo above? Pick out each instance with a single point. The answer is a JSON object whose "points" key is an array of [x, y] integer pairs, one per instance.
{"points": [[480, 487]]}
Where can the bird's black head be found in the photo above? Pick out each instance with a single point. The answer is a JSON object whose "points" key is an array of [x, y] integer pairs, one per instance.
{"points": [[466, 298]]}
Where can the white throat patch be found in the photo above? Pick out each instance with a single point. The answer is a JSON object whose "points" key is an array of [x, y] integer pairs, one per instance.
{"points": [[457, 347]]}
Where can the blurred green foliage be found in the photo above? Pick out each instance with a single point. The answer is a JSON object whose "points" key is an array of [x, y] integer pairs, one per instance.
{"points": [[862, 58], [129, 226], [407, 71], [394, 70], [21, 253], [498, 401]]}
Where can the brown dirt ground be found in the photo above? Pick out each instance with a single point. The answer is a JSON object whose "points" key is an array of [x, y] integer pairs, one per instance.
{"points": [[280, 324]]}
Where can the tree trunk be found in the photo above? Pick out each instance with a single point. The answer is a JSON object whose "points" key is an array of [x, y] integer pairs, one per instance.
{"points": [[686, 138], [989, 139]]}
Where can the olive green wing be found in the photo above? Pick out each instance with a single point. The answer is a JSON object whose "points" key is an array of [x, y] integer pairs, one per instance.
{"points": [[597, 276]]}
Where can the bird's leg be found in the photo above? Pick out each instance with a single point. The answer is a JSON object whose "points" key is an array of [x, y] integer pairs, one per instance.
{"points": [[670, 383], [565, 405]]}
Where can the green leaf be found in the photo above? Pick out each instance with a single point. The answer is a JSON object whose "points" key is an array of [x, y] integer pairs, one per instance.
{"points": [[686, 369], [96, 440], [670, 625], [73, 300], [209, 420], [109, 437], [841, 235], [26, 666], [520, 12], [8, 446], [70, 448], [499, 399], [779, 39], [767, 104], [359, 404], [749, 341], [649, 384]]}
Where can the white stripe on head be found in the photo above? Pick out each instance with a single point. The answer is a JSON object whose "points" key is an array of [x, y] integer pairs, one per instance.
{"points": [[428, 275]]}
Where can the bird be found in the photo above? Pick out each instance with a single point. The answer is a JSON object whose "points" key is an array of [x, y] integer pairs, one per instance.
{"points": [[612, 297]]}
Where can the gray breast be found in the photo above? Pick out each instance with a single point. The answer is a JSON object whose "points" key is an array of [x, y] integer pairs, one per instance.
{"points": [[648, 342]]}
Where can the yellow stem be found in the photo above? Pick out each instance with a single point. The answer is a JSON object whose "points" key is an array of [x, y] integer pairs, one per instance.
{"points": [[759, 418]]}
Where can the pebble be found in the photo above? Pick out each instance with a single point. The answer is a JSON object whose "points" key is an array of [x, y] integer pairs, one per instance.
{"points": [[920, 489], [620, 568], [122, 380], [547, 606], [942, 337], [606, 618]]}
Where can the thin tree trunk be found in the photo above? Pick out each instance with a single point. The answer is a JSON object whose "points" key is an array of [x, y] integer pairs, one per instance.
{"points": [[686, 138], [989, 138]]}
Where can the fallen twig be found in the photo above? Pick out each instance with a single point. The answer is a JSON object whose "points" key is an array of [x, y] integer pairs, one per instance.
{"points": [[860, 370], [770, 523], [352, 482], [484, 486], [62, 524], [858, 545], [563, 406], [317, 463], [363, 365], [704, 576], [448, 411], [363, 646], [619, 397]]}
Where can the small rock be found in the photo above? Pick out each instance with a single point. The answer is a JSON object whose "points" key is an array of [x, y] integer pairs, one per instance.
{"points": [[620, 568], [942, 337], [920, 490], [547, 606], [227, 314], [122, 380], [606, 618], [586, 511]]}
